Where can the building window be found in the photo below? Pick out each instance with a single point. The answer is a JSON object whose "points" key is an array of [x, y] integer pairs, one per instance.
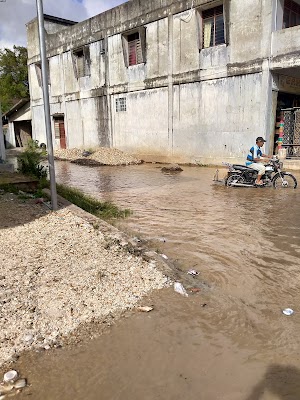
{"points": [[38, 71], [121, 104], [213, 27], [134, 47], [81, 62], [102, 46], [291, 14]]}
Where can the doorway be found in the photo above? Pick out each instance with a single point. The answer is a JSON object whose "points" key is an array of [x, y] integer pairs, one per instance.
{"points": [[23, 132], [288, 111], [60, 133]]}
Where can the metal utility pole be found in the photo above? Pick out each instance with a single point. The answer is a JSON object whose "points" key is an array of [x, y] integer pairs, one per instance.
{"points": [[2, 146], [40, 15]]}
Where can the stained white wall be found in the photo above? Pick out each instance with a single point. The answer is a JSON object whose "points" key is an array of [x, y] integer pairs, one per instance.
{"points": [[144, 126]]}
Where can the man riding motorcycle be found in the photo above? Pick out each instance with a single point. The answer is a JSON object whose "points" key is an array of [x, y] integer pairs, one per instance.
{"points": [[255, 157]]}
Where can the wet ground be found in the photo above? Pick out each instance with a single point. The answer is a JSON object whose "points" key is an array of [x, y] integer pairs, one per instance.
{"points": [[245, 243]]}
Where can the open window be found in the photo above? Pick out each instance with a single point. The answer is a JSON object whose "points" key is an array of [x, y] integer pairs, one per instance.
{"points": [[81, 62], [38, 71], [134, 46], [291, 13], [213, 32]]}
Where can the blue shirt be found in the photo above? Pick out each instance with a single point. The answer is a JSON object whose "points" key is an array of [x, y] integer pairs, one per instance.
{"points": [[255, 152]]}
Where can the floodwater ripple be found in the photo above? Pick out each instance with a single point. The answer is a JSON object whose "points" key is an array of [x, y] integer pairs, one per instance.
{"points": [[244, 242]]}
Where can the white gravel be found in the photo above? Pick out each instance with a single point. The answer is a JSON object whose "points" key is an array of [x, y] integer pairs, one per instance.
{"points": [[103, 155], [57, 272]]}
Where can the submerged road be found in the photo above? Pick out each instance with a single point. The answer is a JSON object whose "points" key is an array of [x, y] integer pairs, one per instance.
{"points": [[245, 243]]}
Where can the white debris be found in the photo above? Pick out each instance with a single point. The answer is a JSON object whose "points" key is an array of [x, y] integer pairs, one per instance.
{"points": [[178, 287]]}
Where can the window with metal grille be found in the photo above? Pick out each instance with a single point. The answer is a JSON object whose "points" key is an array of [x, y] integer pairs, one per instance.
{"points": [[291, 14], [121, 104], [134, 46], [213, 27], [81, 61]]}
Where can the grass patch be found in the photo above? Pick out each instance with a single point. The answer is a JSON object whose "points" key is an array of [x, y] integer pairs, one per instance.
{"points": [[105, 210], [9, 188]]}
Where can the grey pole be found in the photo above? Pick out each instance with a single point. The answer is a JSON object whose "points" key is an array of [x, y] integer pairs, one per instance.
{"points": [[40, 14], [2, 147]]}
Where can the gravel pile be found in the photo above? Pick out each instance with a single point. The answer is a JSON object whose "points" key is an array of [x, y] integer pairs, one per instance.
{"points": [[59, 272], [99, 156]]}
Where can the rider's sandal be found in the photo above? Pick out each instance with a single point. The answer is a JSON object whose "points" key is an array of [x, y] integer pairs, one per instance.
{"points": [[259, 184]]}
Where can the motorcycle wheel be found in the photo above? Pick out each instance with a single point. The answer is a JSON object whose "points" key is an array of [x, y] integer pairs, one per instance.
{"points": [[288, 181], [234, 178]]}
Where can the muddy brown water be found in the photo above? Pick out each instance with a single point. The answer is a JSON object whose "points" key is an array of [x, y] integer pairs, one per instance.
{"points": [[246, 245]]}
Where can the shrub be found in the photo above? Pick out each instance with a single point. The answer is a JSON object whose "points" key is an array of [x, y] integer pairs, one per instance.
{"points": [[29, 161]]}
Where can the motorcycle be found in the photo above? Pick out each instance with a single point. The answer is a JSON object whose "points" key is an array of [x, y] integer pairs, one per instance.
{"points": [[243, 176]]}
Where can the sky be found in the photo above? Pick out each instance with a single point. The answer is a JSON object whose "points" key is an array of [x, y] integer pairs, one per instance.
{"points": [[14, 14]]}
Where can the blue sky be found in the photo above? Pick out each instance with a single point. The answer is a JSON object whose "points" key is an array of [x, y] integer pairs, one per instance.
{"points": [[14, 14]]}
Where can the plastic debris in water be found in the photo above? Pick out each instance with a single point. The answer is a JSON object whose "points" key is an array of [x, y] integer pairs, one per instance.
{"points": [[195, 290], [192, 272], [178, 287], [10, 376], [145, 308], [20, 383], [288, 311]]}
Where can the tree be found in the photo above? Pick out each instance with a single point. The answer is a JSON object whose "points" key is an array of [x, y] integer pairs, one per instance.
{"points": [[13, 76]]}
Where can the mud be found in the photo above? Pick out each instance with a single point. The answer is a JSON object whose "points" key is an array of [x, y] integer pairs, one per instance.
{"points": [[245, 243]]}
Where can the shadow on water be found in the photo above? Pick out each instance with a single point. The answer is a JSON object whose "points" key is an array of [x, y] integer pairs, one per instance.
{"points": [[281, 381]]}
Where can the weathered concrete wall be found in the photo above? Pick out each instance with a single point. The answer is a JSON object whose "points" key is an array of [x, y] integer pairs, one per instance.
{"points": [[185, 42], [213, 120], [157, 48], [10, 136], [250, 28], [143, 128], [227, 118], [285, 48]]}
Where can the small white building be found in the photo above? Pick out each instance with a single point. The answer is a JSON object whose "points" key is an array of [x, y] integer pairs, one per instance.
{"points": [[17, 121], [169, 80]]}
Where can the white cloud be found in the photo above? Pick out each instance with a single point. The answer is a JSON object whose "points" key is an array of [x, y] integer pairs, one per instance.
{"points": [[95, 7], [14, 14]]}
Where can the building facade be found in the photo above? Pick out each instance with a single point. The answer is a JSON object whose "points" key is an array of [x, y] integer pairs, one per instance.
{"points": [[187, 81]]}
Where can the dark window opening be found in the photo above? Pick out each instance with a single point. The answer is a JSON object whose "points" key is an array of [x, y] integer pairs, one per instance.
{"points": [[291, 14], [213, 27], [38, 70], [81, 62]]}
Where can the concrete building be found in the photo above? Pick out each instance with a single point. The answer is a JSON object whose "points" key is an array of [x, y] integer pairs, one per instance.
{"points": [[17, 124], [187, 81]]}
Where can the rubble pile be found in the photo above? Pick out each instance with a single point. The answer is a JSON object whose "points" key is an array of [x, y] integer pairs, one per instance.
{"points": [[59, 272], [98, 156]]}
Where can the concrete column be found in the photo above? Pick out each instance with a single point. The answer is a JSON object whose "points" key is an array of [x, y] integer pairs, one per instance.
{"points": [[266, 106], [170, 83]]}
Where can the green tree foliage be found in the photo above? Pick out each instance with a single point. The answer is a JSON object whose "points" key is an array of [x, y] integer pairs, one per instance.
{"points": [[13, 76]]}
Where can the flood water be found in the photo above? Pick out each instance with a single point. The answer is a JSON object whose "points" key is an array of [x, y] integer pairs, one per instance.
{"points": [[246, 245]]}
